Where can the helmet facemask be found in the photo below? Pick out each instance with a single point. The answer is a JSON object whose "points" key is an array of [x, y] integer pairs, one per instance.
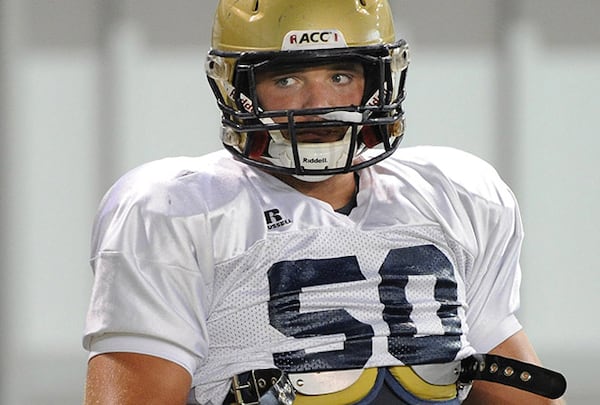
{"points": [[268, 139]]}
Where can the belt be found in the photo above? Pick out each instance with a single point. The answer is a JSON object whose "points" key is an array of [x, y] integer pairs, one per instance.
{"points": [[261, 387], [273, 387]]}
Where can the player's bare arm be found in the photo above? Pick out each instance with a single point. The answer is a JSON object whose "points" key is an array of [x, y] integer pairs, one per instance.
{"points": [[133, 379]]}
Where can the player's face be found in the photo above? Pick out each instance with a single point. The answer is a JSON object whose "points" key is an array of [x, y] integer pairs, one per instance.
{"points": [[331, 85]]}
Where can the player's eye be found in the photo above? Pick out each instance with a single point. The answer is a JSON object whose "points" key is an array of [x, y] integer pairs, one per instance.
{"points": [[284, 81], [341, 78]]}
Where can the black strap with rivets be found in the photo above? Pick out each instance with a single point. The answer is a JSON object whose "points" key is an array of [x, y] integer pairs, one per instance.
{"points": [[261, 387], [515, 373]]}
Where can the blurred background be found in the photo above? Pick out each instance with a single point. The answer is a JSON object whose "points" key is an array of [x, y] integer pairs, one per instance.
{"points": [[92, 88]]}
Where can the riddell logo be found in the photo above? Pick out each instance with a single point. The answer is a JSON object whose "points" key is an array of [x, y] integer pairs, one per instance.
{"points": [[314, 160], [275, 220], [313, 40]]}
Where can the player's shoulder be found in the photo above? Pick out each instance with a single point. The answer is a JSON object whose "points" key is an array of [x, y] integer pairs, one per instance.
{"points": [[455, 162], [451, 167], [158, 185]]}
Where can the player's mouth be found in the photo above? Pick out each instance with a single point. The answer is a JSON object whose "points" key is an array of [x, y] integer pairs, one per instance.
{"points": [[320, 135]]}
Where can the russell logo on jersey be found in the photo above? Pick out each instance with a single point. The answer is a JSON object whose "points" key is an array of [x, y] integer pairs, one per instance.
{"points": [[274, 219]]}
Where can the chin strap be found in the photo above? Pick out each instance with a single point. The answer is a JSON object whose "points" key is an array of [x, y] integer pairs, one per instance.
{"points": [[515, 373]]}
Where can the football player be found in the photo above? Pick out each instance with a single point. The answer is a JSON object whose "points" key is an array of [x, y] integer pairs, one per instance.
{"points": [[312, 261]]}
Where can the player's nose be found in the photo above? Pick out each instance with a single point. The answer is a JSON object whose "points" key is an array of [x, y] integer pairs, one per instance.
{"points": [[317, 95]]}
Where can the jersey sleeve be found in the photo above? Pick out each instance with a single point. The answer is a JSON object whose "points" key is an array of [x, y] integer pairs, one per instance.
{"points": [[493, 282], [478, 209], [151, 287]]}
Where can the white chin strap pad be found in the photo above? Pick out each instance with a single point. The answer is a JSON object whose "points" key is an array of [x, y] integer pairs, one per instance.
{"points": [[313, 156]]}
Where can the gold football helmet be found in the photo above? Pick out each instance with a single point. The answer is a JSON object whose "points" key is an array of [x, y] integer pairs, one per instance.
{"points": [[253, 35]]}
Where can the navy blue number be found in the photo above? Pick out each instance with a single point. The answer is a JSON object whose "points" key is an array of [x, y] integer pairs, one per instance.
{"points": [[404, 341], [286, 279]]}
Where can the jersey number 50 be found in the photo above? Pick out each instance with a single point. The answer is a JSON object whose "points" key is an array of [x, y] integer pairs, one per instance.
{"points": [[426, 262]]}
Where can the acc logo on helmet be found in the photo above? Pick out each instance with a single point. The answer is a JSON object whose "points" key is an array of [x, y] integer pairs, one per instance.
{"points": [[295, 40]]}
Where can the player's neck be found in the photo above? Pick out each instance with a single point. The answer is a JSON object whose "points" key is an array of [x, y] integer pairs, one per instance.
{"points": [[337, 190]]}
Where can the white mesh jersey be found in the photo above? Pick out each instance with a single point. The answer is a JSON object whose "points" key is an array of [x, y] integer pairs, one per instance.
{"points": [[222, 268]]}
